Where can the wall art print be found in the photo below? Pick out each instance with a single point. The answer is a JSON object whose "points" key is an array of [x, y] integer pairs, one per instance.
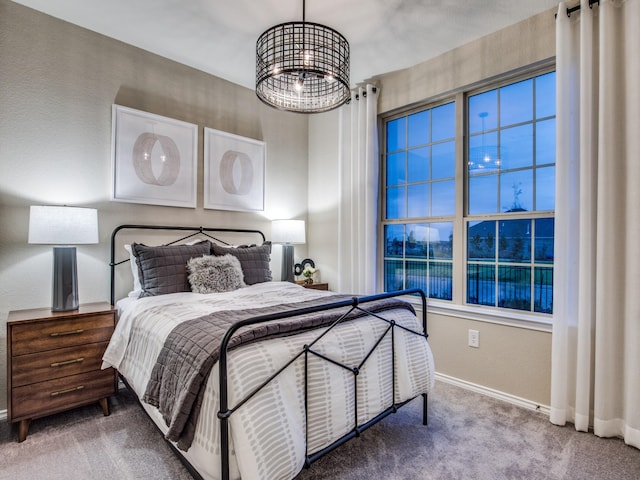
{"points": [[234, 169], [154, 159]]}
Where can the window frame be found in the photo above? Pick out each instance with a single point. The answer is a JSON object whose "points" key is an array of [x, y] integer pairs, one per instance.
{"points": [[458, 306]]}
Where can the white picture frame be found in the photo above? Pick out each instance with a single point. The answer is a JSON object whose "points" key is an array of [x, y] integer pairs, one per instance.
{"points": [[154, 159], [234, 172]]}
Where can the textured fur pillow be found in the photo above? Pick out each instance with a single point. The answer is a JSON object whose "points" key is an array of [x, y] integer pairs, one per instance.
{"points": [[208, 274]]}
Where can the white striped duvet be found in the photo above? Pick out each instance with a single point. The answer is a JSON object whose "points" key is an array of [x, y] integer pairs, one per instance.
{"points": [[267, 445]]}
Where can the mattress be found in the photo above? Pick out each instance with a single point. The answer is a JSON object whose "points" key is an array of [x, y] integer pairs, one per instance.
{"points": [[268, 432]]}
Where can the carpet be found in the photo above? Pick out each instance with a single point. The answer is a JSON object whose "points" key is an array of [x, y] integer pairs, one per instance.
{"points": [[469, 436]]}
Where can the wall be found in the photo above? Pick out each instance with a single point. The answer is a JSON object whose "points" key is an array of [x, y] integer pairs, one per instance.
{"points": [[57, 86], [516, 361]]}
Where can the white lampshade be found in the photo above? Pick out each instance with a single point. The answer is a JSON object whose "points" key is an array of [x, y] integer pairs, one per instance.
{"points": [[63, 225], [288, 231]]}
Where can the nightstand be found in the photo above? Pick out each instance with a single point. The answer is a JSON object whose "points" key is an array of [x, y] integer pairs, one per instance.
{"points": [[54, 359], [316, 286]]}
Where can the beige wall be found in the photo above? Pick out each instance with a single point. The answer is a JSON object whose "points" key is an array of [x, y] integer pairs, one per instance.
{"points": [[57, 85], [515, 361]]}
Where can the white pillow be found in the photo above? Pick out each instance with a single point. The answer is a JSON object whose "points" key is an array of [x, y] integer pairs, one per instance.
{"points": [[137, 286]]}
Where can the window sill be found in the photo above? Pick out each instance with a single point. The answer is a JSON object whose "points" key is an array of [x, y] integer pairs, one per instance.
{"points": [[511, 318]]}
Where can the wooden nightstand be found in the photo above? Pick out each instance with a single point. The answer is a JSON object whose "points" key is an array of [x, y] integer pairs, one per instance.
{"points": [[54, 359], [316, 286]]}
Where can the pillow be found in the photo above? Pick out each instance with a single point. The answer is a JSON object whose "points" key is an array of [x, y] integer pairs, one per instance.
{"points": [[163, 269], [208, 274], [137, 288], [253, 259]]}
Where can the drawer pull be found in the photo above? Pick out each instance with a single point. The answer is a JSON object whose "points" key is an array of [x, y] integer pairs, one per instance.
{"points": [[68, 390], [71, 332], [67, 362]]}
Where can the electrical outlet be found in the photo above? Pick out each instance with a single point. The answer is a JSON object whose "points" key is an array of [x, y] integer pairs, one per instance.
{"points": [[474, 338]]}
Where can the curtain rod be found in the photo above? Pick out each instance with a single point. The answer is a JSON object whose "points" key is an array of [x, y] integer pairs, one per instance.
{"points": [[577, 7]]}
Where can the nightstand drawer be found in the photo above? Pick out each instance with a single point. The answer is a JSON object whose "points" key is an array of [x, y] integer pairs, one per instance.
{"points": [[37, 367], [50, 334], [43, 398]]}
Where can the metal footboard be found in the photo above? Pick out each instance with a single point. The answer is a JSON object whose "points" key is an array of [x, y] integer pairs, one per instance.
{"points": [[355, 303]]}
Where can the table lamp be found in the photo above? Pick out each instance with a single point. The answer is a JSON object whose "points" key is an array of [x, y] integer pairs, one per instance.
{"points": [[63, 227], [288, 233]]}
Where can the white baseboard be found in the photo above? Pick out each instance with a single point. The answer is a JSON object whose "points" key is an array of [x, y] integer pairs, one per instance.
{"points": [[490, 392], [3, 415]]}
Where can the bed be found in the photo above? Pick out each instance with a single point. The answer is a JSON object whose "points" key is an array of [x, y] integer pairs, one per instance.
{"points": [[248, 377]]}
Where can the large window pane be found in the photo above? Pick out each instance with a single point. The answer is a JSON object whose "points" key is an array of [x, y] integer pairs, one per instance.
{"points": [[443, 198], [396, 202], [394, 241], [418, 200], [514, 241], [516, 191], [543, 290], [481, 240], [546, 95], [483, 156], [544, 240], [396, 134], [514, 287], [417, 241], [396, 169], [483, 112], [546, 142], [444, 122], [545, 188], [483, 194], [393, 275], [441, 240], [416, 275], [516, 103], [516, 147], [418, 129], [481, 284], [440, 280], [443, 160], [418, 165]]}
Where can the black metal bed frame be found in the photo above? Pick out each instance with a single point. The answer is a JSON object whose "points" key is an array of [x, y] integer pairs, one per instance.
{"points": [[354, 303]]}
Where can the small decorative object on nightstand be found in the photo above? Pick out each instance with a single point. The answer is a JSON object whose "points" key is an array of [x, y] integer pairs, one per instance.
{"points": [[54, 360]]}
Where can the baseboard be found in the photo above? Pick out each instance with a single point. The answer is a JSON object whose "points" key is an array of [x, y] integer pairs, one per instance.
{"points": [[490, 392], [3, 415]]}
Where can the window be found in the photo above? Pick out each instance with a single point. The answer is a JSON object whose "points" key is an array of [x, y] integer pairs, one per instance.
{"points": [[506, 225], [420, 173]]}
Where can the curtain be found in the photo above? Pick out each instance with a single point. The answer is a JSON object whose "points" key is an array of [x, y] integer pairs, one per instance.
{"points": [[358, 205], [595, 378]]}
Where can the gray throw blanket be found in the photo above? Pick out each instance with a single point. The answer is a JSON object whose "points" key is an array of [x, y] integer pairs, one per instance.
{"points": [[177, 383]]}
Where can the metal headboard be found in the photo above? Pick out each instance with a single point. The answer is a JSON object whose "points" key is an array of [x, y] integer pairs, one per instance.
{"points": [[193, 231]]}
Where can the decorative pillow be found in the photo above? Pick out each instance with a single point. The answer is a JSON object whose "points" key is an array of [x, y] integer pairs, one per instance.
{"points": [[137, 288], [163, 269], [253, 259], [208, 274]]}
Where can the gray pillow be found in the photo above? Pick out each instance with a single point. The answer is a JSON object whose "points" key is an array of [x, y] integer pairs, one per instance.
{"points": [[253, 259], [209, 274], [163, 269]]}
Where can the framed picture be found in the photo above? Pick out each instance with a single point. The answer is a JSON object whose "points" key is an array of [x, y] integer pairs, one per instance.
{"points": [[154, 159], [233, 172]]}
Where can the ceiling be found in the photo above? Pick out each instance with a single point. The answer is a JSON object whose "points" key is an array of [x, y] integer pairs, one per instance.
{"points": [[218, 36]]}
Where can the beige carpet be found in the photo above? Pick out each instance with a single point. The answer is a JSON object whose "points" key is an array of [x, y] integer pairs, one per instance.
{"points": [[469, 436]]}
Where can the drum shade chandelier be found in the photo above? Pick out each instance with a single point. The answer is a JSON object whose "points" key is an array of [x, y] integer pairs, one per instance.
{"points": [[302, 67]]}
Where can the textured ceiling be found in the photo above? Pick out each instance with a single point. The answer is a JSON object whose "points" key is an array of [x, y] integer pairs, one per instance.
{"points": [[218, 36]]}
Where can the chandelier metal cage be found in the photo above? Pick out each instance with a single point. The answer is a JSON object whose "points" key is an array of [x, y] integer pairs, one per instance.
{"points": [[302, 67]]}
